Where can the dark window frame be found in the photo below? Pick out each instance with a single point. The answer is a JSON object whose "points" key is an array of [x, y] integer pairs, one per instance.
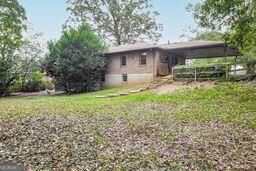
{"points": [[122, 61], [143, 62], [125, 77]]}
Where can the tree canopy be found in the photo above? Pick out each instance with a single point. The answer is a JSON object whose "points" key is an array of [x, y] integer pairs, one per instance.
{"points": [[237, 17], [75, 61], [12, 17], [211, 35], [118, 21], [29, 56]]}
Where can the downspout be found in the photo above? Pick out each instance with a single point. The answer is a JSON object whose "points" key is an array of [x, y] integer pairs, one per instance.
{"points": [[235, 64], [154, 63]]}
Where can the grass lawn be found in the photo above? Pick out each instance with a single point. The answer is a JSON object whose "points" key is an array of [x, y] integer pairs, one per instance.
{"points": [[200, 129]]}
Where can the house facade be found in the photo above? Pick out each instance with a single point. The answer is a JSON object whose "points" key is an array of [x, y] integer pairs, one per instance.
{"points": [[137, 64], [143, 62]]}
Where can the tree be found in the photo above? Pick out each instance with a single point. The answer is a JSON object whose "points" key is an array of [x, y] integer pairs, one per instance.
{"points": [[209, 36], [237, 17], [197, 34], [75, 61], [118, 21], [12, 17], [29, 56]]}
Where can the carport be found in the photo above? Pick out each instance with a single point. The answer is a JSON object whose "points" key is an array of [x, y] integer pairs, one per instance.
{"points": [[200, 49], [178, 53]]}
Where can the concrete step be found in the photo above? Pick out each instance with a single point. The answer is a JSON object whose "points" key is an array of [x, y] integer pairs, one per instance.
{"points": [[113, 95], [100, 97], [154, 84], [124, 94], [136, 91]]}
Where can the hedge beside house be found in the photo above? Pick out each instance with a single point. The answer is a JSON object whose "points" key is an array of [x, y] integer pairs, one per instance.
{"points": [[200, 73]]}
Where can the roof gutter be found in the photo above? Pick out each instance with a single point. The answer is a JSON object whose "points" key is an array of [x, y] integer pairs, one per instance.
{"points": [[133, 50]]}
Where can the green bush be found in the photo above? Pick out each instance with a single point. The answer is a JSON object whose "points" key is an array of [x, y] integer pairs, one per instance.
{"points": [[212, 71], [75, 62], [16, 87], [48, 83], [34, 83]]}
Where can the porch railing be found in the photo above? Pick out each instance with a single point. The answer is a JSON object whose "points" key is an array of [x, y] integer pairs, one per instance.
{"points": [[207, 72]]}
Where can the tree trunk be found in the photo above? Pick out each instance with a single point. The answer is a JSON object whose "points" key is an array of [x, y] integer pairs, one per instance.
{"points": [[118, 41], [117, 34], [3, 91]]}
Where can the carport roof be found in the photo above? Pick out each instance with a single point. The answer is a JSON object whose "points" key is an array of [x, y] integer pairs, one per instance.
{"points": [[190, 44], [200, 49], [192, 49]]}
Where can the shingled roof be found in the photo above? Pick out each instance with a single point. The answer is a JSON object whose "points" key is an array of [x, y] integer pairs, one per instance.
{"points": [[192, 49], [131, 47], [179, 45]]}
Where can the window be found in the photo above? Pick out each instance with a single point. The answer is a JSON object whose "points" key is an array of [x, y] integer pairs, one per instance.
{"points": [[123, 61], [125, 77], [143, 59]]}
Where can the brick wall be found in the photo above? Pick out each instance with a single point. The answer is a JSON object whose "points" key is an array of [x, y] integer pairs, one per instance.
{"points": [[137, 74], [132, 63]]}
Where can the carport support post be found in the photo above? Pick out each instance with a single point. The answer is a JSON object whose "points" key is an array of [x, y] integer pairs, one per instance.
{"points": [[226, 71], [235, 64], [173, 73], [195, 75]]}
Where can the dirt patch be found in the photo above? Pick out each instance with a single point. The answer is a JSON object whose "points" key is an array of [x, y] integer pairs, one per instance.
{"points": [[177, 86]]}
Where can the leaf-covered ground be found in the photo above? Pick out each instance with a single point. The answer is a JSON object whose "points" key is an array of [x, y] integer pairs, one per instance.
{"points": [[201, 129]]}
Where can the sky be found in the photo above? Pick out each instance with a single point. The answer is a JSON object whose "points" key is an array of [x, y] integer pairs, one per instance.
{"points": [[47, 17]]}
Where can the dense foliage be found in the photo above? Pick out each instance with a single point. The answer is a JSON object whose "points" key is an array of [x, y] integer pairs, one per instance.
{"points": [[118, 21], [29, 56], [209, 36], [75, 61], [204, 72], [33, 82], [12, 17]]}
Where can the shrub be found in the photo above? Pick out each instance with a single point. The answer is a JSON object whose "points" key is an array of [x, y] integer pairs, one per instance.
{"points": [[16, 87], [75, 62], [48, 83], [34, 83], [204, 72]]}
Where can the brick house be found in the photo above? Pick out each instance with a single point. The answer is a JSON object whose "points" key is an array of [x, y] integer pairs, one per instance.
{"points": [[142, 62]]}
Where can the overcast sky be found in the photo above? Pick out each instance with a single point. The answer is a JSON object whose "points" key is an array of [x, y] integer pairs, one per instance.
{"points": [[47, 17]]}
